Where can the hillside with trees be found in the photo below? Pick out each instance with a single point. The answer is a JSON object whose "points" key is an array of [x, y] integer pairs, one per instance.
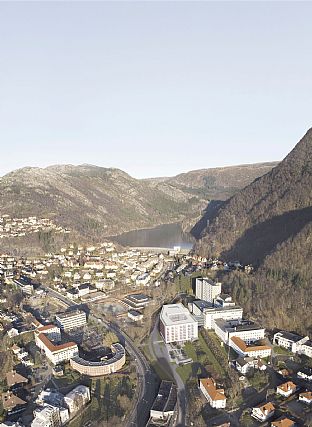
{"points": [[95, 202], [269, 224]]}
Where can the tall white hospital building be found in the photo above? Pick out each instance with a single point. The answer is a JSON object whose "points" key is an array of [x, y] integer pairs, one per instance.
{"points": [[206, 289], [177, 324]]}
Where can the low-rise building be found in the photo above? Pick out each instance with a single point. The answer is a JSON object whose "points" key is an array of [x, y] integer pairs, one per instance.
{"points": [[11, 401], [294, 343], [246, 330], [164, 403], [283, 422], [14, 379], [305, 374], [136, 301], [56, 353], [25, 286], [135, 315], [103, 367], [243, 349], [212, 393], [263, 412], [306, 397], [245, 364], [177, 324], [286, 389]]}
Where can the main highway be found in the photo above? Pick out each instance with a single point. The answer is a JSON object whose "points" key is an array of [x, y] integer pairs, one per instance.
{"points": [[147, 383]]}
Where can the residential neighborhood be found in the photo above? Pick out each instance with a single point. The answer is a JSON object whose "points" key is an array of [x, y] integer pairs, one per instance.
{"points": [[73, 306]]}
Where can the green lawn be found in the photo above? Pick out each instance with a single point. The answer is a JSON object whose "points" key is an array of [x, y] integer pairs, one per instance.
{"points": [[281, 350], [202, 358], [185, 372], [212, 359]]}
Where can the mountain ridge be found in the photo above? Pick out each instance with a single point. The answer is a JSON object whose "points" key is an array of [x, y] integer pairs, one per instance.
{"points": [[95, 202]]}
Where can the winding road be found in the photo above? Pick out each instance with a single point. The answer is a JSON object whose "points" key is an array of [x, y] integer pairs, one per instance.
{"points": [[147, 383], [160, 353]]}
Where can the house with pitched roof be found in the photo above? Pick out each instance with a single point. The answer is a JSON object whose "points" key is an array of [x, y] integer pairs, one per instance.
{"points": [[306, 397], [263, 412], [214, 395], [283, 422], [14, 379], [286, 389]]}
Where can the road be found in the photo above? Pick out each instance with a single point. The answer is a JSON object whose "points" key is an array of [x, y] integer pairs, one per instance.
{"points": [[146, 389], [159, 351]]}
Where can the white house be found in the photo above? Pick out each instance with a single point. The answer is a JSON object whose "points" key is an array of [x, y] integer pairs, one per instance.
{"points": [[306, 397], [283, 422], [286, 389], [263, 412], [214, 395]]}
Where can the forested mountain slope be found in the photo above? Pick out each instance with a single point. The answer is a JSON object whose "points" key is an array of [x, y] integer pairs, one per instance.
{"points": [[269, 224]]}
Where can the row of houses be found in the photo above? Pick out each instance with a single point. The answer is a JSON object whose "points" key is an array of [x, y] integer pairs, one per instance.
{"points": [[18, 227]]}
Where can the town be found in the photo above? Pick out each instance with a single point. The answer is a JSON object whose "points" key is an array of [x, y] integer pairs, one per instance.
{"points": [[143, 337], [19, 227]]}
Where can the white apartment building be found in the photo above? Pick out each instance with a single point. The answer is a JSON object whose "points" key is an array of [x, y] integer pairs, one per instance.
{"points": [[246, 330], [50, 416], [210, 313], [177, 324], [77, 398], [71, 320], [206, 289]]}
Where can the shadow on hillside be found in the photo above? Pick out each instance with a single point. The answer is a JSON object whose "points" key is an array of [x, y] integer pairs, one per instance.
{"points": [[210, 213], [260, 240]]}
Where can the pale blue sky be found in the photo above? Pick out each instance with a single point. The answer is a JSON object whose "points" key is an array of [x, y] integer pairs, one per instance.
{"points": [[153, 88]]}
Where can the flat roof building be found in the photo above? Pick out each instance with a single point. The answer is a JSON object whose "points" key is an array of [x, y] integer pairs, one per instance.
{"points": [[71, 320], [103, 367], [246, 330], [206, 289], [177, 324], [210, 312], [165, 402]]}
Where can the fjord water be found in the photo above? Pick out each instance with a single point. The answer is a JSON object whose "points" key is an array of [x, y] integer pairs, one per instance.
{"points": [[162, 236]]}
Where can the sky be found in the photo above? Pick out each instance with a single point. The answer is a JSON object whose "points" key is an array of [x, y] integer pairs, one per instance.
{"points": [[153, 88]]}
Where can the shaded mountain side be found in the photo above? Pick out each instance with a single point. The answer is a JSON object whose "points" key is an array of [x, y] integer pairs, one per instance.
{"points": [[279, 294], [95, 202], [262, 239], [208, 215], [269, 224], [287, 187]]}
